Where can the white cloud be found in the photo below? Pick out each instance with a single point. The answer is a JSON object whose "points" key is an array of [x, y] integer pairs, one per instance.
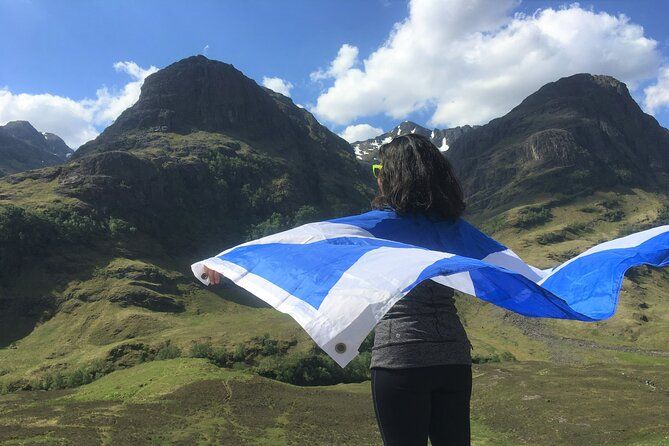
{"points": [[110, 105], [74, 121], [67, 118], [360, 132], [468, 61], [205, 50], [277, 84], [346, 58], [657, 95]]}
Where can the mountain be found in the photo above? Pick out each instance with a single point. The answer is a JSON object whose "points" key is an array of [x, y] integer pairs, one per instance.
{"points": [[211, 143], [95, 280], [575, 164], [576, 135], [205, 159], [367, 150], [22, 147], [198, 94]]}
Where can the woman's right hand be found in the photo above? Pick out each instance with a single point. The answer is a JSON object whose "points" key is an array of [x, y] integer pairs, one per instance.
{"points": [[213, 276]]}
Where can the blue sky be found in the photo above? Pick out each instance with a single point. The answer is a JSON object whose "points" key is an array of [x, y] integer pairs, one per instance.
{"points": [[446, 67]]}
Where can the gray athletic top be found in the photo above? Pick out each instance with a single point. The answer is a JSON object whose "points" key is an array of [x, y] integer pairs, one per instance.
{"points": [[421, 329]]}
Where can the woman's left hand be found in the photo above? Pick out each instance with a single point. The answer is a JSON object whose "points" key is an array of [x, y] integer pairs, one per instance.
{"points": [[213, 276]]}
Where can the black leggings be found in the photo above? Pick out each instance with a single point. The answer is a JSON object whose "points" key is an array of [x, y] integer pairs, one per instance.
{"points": [[414, 403]]}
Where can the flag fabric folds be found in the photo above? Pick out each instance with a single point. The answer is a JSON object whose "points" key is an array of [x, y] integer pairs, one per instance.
{"points": [[337, 278]]}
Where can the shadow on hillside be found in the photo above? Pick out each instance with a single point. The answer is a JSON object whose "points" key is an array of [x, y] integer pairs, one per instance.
{"points": [[35, 294], [233, 293], [19, 317]]}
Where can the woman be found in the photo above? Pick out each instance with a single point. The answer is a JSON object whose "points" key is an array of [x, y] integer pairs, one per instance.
{"points": [[421, 360]]}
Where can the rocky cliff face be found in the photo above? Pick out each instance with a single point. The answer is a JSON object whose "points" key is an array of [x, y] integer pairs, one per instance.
{"points": [[22, 147], [199, 94], [577, 134], [206, 144]]}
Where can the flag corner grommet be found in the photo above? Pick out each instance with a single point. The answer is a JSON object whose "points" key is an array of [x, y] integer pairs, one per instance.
{"points": [[340, 347]]}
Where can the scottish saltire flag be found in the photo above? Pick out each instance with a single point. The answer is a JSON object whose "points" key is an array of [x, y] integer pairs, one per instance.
{"points": [[338, 277]]}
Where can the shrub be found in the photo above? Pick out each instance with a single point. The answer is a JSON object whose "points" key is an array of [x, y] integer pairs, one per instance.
{"points": [[168, 351], [507, 356], [275, 223], [578, 227], [495, 224], [496, 357], [243, 354], [305, 214], [270, 358], [531, 216], [613, 215], [564, 255], [269, 347], [72, 225], [118, 226], [548, 238], [261, 346], [612, 203], [201, 350], [239, 354], [83, 375], [567, 232], [315, 368], [662, 217]]}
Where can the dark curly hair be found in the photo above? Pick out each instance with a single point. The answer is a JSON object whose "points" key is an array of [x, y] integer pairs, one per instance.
{"points": [[417, 178]]}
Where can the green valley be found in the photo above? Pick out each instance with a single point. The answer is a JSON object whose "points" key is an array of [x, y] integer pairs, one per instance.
{"points": [[107, 338]]}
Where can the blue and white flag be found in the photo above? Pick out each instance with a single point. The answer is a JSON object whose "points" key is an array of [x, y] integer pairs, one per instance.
{"points": [[337, 278]]}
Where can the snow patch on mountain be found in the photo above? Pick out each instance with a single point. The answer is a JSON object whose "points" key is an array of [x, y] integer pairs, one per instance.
{"points": [[443, 147], [442, 138]]}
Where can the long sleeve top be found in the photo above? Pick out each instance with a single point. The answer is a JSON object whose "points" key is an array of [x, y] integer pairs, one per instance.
{"points": [[421, 329]]}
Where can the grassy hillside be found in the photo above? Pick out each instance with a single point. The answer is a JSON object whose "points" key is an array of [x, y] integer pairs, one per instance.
{"points": [[553, 230], [99, 307], [189, 401], [570, 382], [104, 303], [89, 260]]}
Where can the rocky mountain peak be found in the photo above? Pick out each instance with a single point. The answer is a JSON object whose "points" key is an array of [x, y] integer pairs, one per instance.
{"points": [[23, 130], [19, 124], [200, 94], [585, 92], [195, 93], [50, 142], [23, 147], [581, 132], [442, 138]]}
